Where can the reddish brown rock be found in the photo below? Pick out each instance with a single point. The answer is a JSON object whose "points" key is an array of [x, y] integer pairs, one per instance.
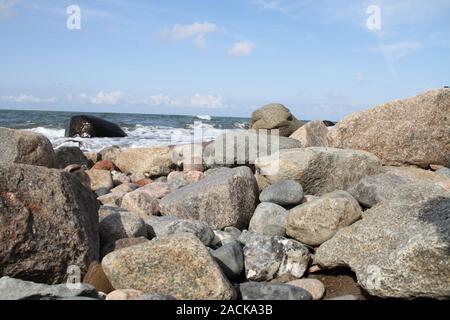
{"points": [[143, 182], [48, 221], [105, 165], [97, 278]]}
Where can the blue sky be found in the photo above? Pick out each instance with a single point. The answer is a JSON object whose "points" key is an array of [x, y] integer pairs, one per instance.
{"points": [[221, 57]]}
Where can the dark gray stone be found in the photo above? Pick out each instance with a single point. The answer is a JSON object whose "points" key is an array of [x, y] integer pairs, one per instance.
{"points": [[14, 289], [372, 190], [284, 193], [230, 258], [65, 156], [271, 292]]}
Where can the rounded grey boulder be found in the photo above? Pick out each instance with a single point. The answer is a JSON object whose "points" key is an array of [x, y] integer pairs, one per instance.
{"points": [[284, 193]]}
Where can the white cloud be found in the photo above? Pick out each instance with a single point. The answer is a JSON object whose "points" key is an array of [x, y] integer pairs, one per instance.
{"points": [[103, 98], [206, 101], [195, 101], [196, 31], [242, 48], [397, 50], [24, 98]]}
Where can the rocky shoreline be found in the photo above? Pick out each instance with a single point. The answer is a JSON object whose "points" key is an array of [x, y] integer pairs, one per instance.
{"points": [[357, 211]]}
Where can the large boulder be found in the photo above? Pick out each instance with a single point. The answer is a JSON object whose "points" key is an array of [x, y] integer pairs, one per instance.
{"points": [[401, 247], [227, 198], [179, 265], [48, 221], [24, 147], [144, 161], [244, 147], [93, 127], [275, 117], [65, 156], [312, 134], [15, 289], [375, 189], [412, 131], [319, 170], [317, 221]]}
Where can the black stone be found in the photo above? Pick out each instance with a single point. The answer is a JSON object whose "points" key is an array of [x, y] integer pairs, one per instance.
{"points": [[93, 127]]}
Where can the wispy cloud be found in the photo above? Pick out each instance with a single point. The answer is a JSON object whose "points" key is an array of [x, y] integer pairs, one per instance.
{"points": [[196, 32], [207, 101], [103, 98], [27, 98], [397, 50], [241, 48]]}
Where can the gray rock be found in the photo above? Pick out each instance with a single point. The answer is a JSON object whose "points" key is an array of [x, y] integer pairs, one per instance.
{"points": [[155, 297], [319, 170], [198, 228], [100, 179], [444, 171], [24, 147], [158, 226], [230, 258], [157, 190], [102, 192], [273, 230], [66, 156], [235, 232], [49, 221], [420, 139], [345, 298], [284, 193], [121, 225], [177, 182], [243, 148], [272, 292], [250, 236], [267, 258], [275, 116], [401, 247], [141, 203], [14, 289], [125, 188], [110, 153], [317, 221], [222, 200], [178, 265], [312, 134], [267, 214], [372, 190], [120, 178]]}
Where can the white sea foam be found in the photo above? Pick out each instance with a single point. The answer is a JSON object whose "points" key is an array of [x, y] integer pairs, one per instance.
{"points": [[140, 136], [204, 117]]}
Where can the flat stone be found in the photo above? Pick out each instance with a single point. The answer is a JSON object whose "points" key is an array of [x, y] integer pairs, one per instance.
{"points": [[178, 265], [317, 221], [271, 292]]}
